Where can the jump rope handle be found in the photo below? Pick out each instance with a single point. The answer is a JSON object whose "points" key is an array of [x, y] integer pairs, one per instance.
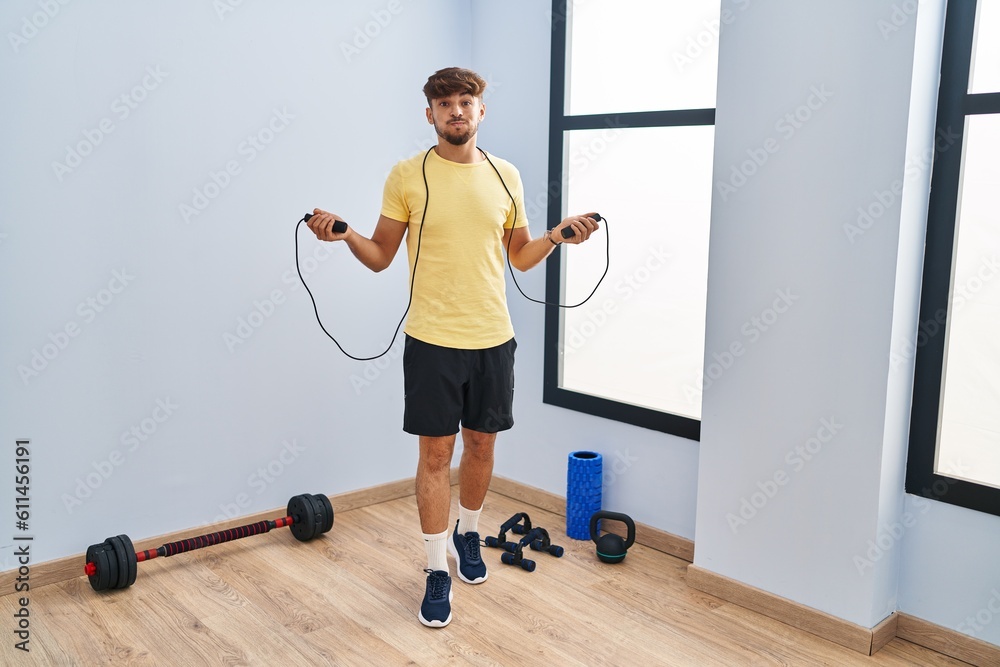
{"points": [[567, 232], [339, 226]]}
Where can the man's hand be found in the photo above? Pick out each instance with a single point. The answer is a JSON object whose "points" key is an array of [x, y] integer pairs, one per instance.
{"points": [[321, 224], [583, 225]]}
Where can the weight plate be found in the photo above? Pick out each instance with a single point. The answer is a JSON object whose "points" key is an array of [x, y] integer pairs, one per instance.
{"points": [[118, 553], [99, 571], [102, 558], [296, 511], [319, 515], [324, 501], [110, 564], [303, 527], [133, 563]]}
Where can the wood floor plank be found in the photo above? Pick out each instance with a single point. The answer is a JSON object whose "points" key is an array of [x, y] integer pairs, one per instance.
{"points": [[189, 578], [182, 635], [271, 643], [85, 627], [47, 645]]}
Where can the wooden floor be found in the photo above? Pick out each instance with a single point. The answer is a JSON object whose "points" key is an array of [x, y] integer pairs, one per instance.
{"points": [[351, 598]]}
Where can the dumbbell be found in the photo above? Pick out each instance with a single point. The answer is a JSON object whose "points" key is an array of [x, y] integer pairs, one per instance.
{"points": [[113, 563], [567, 232], [339, 226]]}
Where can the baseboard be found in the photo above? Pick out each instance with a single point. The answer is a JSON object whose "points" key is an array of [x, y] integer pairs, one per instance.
{"points": [[946, 641], [850, 635], [884, 632], [654, 538], [71, 567]]}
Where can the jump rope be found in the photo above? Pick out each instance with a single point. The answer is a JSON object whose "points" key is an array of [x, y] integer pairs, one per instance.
{"points": [[341, 227]]}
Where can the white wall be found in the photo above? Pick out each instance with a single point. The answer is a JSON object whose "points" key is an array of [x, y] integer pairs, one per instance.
{"points": [[834, 531], [949, 572], [334, 109], [920, 143], [948, 554], [792, 451]]}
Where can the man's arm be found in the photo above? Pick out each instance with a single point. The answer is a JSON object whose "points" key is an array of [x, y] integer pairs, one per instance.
{"points": [[527, 253], [377, 252]]}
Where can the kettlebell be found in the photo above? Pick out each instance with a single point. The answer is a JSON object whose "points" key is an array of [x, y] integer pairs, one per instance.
{"points": [[611, 548]]}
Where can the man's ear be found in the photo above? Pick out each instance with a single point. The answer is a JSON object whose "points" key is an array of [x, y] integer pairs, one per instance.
{"points": [[430, 118]]}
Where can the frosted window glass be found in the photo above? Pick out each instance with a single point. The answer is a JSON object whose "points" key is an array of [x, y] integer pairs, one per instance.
{"points": [[641, 338], [641, 55], [969, 439], [985, 74]]}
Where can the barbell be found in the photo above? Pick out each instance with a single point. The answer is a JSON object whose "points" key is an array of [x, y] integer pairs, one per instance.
{"points": [[113, 563]]}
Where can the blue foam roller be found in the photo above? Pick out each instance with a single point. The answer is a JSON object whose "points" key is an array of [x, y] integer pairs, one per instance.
{"points": [[583, 492]]}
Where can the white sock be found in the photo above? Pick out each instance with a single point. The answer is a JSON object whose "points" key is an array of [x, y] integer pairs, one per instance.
{"points": [[468, 520], [436, 547]]}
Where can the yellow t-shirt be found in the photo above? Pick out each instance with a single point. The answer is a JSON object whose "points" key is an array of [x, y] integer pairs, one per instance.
{"points": [[459, 293]]}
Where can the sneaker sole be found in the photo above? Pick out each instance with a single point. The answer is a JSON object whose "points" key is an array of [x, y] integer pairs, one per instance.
{"points": [[453, 550], [437, 624]]}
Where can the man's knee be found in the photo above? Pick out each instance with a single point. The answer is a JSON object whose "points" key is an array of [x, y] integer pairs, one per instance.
{"points": [[478, 444], [436, 454]]}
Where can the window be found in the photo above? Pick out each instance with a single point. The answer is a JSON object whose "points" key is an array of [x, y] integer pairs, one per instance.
{"points": [[631, 137], [955, 421]]}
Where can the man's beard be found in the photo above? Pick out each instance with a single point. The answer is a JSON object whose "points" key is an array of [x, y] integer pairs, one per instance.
{"points": [[458, 139]]}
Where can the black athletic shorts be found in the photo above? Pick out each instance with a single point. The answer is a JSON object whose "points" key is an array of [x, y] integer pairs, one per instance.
{"points": [[445, 386]]}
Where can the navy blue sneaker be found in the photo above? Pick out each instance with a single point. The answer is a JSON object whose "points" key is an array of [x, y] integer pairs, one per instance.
{"points": [[435, 612], [465, 549]]}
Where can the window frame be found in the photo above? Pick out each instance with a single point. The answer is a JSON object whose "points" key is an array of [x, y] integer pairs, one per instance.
{"points": [[559, 124], [955, 104]]}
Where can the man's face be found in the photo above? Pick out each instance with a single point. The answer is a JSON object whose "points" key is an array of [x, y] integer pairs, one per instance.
{"points": [[456, 118]]}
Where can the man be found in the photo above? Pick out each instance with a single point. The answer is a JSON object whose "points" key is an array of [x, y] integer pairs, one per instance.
{"points": [[462, 209]]}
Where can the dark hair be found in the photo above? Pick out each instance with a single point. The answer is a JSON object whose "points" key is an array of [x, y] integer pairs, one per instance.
{"points": [[451, 80]]}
